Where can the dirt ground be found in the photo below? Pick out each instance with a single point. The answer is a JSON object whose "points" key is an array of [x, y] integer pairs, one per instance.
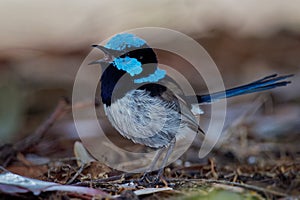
{"points": [[257, 156]]}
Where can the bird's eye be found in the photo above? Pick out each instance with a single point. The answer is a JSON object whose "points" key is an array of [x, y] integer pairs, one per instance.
{"points": [[141, 57]]}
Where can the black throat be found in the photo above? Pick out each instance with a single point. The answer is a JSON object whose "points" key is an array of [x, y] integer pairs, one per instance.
{"points": [[109, 79], [109, 86]]}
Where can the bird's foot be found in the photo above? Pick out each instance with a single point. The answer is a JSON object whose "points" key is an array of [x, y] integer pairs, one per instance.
{"points": [[146, 179], [150, 180]]}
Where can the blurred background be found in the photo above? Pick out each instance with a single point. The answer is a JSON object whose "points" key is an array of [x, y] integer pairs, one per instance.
{"points": [[42, 45]]}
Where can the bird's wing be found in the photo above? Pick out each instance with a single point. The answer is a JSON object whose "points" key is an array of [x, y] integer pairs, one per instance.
{"points": [[183, 108]]}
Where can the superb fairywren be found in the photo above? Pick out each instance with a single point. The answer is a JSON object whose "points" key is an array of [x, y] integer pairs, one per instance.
{"points": [[142, 108]]}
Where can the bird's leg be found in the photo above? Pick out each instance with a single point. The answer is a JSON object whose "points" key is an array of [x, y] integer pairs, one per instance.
{"points": [[153, 163], [164, 162], [168, 154]]}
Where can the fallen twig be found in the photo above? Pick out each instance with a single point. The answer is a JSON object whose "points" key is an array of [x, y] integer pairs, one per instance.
{"points": [[39, 133], [76, 174], [63, 107], [242, 185], [121, 177]]}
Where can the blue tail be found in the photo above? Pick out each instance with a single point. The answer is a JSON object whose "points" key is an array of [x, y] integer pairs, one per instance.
{"points": [[265, 83]]}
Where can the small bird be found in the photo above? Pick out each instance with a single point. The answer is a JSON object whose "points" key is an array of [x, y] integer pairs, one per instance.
{"points": [[139, 104]]}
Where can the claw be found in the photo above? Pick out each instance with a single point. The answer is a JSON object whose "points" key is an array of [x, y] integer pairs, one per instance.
{"points": [[148, 180]]}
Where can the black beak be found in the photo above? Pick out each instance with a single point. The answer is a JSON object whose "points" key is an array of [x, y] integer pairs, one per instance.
{"points": [[101, 62], [107, 51], [110, 54]]}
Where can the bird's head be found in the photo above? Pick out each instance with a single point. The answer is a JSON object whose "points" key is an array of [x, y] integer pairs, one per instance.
{"points": [[132, 55], [127, 54]]}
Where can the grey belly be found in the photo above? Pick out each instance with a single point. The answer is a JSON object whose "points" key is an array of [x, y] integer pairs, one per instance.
{"points": [[144, 119]]}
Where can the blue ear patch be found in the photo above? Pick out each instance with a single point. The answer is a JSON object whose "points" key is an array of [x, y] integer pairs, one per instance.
{"points": [[130, 65], [152, 78], [123, 41]]}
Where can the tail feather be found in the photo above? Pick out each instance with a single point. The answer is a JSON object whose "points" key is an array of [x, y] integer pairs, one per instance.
{"points": [[266, 83]]}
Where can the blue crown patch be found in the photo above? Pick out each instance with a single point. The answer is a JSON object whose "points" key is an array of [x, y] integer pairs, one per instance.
{"points": [[123, 41]]}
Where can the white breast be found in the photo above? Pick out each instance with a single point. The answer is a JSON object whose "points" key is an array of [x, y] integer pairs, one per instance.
{"points": [[144, 119]]}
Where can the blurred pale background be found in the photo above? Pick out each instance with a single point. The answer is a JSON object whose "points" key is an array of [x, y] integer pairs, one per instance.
{"points": [[42, 44]]}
